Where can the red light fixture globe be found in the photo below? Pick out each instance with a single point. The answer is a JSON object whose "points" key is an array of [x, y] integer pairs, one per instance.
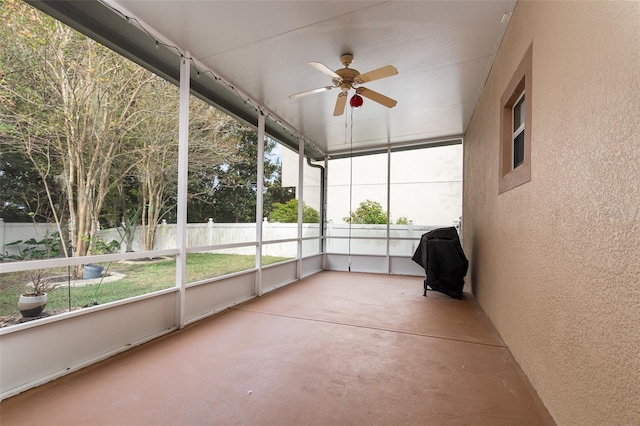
{"points": [[356, 101]]}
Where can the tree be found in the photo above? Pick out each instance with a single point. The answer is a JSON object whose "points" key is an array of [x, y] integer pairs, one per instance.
{"points": [[22, 194], [94, 139], [233, 199], [274, 191], [368, 212], [153, 182], [70, 104], [102, 127], [288, 213], [214, 141]]}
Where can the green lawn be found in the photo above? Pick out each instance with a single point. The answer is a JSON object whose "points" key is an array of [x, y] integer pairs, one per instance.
{"points": [[140, 278]]}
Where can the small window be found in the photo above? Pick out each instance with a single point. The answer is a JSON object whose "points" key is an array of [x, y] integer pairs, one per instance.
{"points": [[515, 143], [518, 132]]}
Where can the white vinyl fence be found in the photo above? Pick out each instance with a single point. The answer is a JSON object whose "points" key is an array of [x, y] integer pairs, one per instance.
{"points": [[11, 232], [364, 239]]}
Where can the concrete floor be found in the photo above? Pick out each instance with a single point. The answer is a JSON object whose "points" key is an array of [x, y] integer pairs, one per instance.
{"points": [[337, 348]]}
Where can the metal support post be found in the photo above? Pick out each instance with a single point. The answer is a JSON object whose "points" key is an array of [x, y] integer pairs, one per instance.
{"points": [[259, 201], [300, 196], [183, 158]]}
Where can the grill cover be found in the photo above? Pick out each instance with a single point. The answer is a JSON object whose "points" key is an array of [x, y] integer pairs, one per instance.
{"points": [[444, 262]]}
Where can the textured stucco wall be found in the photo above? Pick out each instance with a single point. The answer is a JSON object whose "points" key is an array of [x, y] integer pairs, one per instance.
{"points": [[555, 262]]}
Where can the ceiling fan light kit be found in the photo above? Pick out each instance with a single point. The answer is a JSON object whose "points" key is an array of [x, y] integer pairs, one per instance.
{"points": [[356, 101], [349, 78]]}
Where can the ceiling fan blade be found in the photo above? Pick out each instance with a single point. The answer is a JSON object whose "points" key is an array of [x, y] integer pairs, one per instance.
{"points": [[376, 97], [386, 71], [341, 103], [325, 69], [310, 92]]}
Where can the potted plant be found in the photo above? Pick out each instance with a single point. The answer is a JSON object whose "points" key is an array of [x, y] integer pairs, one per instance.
{"points": [[32, 301], [91, 270]]}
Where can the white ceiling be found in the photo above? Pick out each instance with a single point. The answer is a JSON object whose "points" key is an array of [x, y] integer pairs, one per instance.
{"points": [[443, 51]]}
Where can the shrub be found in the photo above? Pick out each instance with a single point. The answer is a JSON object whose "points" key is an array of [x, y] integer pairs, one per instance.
{"points": [[288, 213], [369, 212]]}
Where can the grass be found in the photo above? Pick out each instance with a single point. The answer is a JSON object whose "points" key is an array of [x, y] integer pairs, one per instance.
{"points": [[140, 278]]}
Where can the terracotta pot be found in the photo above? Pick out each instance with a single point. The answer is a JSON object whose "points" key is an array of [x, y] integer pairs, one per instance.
{"points": [[31, 306]]}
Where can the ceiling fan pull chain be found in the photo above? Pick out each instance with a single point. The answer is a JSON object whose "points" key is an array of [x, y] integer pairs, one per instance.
{"points": [[350, 182]]}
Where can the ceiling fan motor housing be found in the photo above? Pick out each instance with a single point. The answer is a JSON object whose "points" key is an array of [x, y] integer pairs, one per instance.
{"points": [[347, 76]]}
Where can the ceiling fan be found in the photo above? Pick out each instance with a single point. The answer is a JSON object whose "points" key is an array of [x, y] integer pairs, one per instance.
{"points": [[348, 78]]}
